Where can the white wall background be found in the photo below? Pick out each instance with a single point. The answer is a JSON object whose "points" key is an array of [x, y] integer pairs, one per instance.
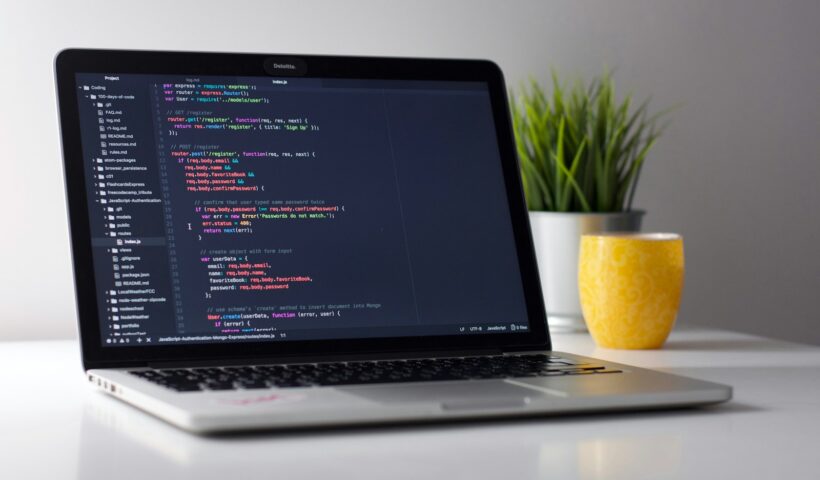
{"points": [[737, 172]]}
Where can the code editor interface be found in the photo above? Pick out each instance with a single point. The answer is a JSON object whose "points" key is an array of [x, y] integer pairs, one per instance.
{"points": [[230, 209]]}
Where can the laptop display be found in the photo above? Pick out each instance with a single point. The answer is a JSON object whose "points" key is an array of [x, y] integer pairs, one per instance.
{"points": [[230, 209]]}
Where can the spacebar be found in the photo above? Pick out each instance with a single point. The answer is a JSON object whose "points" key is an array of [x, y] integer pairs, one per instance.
{"points": [[368, 381]]}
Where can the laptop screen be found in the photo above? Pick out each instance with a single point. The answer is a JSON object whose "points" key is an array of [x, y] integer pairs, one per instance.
{"points": [[235, 209]]}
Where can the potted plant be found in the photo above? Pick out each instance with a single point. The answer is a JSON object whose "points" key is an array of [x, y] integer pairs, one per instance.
{"points": [[581, 152]]}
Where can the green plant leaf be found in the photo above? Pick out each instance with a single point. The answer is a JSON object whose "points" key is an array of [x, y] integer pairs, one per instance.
{"points": [[576, 162], [581, 149], [558, 160]]}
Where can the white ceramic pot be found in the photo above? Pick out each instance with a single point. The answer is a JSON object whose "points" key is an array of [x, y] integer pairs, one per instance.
{"points": [[557, 237]]}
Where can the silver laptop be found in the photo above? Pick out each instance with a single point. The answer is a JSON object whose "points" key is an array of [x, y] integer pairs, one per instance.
{"points": [[279, 241]]}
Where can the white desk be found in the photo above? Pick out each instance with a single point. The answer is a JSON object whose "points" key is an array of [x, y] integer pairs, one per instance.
{"points": [[54, 426]]}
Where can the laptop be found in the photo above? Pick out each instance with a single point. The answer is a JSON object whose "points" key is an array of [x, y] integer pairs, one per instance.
{"points": [[288, 241]]}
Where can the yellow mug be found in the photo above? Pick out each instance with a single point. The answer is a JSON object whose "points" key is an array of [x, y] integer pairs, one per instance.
{"points": [[630, 286]]}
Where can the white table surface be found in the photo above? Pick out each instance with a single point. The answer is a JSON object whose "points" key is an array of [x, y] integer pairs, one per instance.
{"points": [[54, 426]]}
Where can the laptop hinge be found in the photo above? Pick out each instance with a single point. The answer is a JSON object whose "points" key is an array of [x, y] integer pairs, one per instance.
{"points": [[527, 349], [323, 358]]}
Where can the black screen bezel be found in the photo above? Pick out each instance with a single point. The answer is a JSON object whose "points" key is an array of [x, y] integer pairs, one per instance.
{"points": [[72, 61]]}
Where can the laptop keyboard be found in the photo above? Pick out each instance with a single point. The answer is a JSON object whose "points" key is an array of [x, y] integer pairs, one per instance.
{"points": [[368, 372]]}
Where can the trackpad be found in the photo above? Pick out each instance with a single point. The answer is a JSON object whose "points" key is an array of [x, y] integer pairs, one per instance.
{"points": [[451, 395]]}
